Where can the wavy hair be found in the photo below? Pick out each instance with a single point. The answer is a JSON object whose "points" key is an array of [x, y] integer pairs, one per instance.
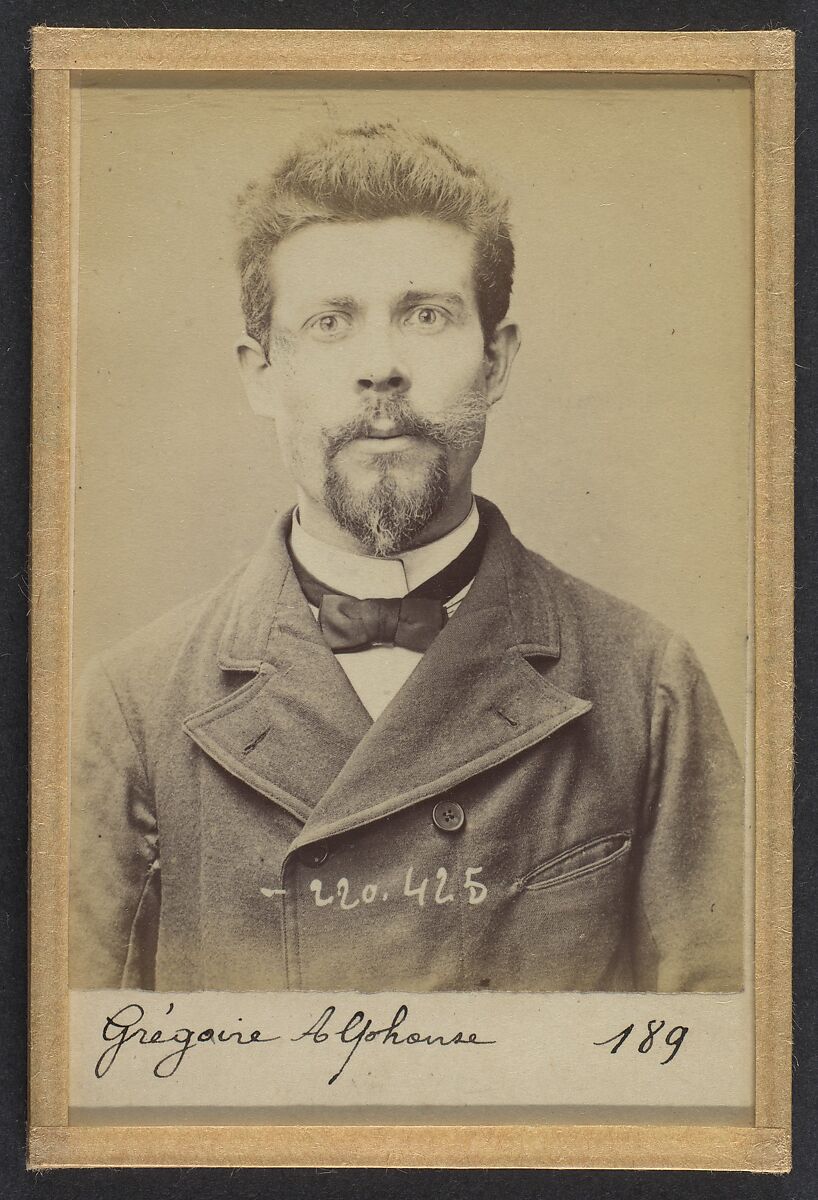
{"points": [[369, 173]]}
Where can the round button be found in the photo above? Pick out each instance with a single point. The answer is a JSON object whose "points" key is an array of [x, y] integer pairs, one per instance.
{"points": [[314, 855], [448, 816]]}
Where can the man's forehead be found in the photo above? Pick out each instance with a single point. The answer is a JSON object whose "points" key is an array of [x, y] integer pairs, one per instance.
{"points": [[397, 255]]}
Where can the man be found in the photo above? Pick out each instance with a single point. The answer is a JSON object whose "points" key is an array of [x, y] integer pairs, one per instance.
{"points": [[397, 751]]}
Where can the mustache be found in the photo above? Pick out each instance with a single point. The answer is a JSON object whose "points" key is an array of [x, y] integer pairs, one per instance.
{"points": [[458, 427]]}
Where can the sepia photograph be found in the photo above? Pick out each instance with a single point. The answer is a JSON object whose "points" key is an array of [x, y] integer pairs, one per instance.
{"points": [[398, 748], [413, 706]]}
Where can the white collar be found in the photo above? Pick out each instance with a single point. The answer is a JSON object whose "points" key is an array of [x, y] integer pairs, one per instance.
{"points": [[387, 578]]}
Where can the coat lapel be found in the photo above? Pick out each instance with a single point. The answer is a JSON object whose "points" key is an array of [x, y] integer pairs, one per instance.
{"points": [[473, 701], [297, 732], [288, 730]]}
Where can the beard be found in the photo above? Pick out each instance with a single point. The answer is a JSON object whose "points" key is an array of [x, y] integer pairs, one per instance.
{"points": [[385, 516]]}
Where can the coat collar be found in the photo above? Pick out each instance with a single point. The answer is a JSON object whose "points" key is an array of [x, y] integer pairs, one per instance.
{"points": [[298, 733], [269, 604]]}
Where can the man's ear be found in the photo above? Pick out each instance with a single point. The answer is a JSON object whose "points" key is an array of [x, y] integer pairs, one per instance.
{"points": [[255, 375], [500, 354]]}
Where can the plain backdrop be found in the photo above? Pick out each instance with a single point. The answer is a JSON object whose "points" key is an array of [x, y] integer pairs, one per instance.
{"points": [[623, 445]]}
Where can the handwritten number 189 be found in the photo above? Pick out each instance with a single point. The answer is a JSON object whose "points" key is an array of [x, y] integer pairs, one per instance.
{"points": [[674, 1037]]}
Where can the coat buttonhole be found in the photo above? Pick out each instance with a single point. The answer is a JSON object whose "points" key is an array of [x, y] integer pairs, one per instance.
{"points": [[251, 745]]}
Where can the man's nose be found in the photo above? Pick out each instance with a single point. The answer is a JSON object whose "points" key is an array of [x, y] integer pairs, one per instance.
{"points": [[383, 371]]}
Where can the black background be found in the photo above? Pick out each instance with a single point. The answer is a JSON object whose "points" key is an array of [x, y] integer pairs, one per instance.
{"points": [[16, 20]]}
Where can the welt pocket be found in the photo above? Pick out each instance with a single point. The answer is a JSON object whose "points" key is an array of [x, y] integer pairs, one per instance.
{"points": [[579, 860]]}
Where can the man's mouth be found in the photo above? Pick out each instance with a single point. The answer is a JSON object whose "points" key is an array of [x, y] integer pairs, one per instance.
{"points": [[379, 437], [382, 440], [380, 446], [384, 434], [388, 437]]}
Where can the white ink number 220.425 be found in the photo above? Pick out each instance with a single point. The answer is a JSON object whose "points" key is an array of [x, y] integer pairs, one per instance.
{"points": [[439, 893]]}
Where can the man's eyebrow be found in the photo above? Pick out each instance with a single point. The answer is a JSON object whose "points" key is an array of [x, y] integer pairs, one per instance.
{"points": [[453, 299], [333, 302]]}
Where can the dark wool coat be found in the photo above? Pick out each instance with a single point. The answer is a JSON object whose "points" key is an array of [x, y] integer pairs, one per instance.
{"points": [[551, 802]]}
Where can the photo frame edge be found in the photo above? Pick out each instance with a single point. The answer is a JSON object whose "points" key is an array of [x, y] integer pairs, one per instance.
{"points": [[51, 1141], [50, 566], [409, 49], [774, 111], [567, 1147]]}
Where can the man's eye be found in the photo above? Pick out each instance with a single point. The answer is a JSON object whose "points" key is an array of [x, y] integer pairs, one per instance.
{"points": [[328, 325], [427, 318]]}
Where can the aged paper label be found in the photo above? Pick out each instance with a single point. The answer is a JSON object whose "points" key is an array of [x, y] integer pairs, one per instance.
{"points": [[281, 1050]]}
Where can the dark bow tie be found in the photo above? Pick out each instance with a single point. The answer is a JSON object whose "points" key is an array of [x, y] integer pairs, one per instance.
{"points": [[351, 624], [412, 622]]}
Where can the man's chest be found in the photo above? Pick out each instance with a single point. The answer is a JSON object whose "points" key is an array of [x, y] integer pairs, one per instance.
{"points": [[506, 880]]}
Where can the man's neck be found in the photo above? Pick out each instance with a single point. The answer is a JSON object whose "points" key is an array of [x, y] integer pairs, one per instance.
{"points": [[356, 574]]}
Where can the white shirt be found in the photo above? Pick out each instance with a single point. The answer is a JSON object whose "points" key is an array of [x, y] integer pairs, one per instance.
{"points": [[378, 673]]}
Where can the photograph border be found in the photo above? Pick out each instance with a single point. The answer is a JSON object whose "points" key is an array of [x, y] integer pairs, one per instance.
{"points": [[767, 58]]}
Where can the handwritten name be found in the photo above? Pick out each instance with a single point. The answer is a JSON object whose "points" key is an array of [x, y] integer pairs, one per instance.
{"points": [[128, 1026], [359, 1029]]}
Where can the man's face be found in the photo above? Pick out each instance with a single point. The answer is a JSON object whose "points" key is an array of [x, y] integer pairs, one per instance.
{"points": [[378, 377]]}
